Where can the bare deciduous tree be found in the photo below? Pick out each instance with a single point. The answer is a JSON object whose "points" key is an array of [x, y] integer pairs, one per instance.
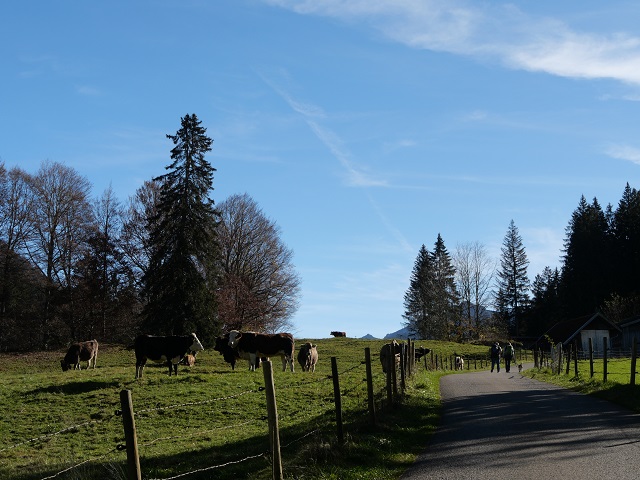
{"points": [[259, 287], [474, 278], [61, 217]]}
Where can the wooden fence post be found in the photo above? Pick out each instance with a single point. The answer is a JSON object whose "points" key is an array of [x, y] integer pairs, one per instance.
{"points": [[569, 358], [133, 459], [590, 357], [403, 367], [337, 398], [371, 401], [605, 349], [634, 355], [272, 418], [575, 359]]}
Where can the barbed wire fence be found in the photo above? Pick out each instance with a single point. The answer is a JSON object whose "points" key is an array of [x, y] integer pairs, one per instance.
{"points": [[356, 391]]}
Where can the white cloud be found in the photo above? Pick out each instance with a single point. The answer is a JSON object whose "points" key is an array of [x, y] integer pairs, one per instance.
{"points": [[624, 152], [502, 32]]}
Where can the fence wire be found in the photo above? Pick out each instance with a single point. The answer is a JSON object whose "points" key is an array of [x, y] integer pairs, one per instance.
{"points": [[213, 467], [77, 465]]}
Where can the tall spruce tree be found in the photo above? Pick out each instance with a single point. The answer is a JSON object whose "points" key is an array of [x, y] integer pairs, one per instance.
{"points": [[512, 295], [446, 305], [418, 298], [180, 282], [626, 236], [586, 269]]}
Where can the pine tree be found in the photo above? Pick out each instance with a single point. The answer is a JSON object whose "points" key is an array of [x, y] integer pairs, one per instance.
{"points": [[418, 298], [180, 282], [586, 270], [626, 235], [512, 295], [447, 311]]}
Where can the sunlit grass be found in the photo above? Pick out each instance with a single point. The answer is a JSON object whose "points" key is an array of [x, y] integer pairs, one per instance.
{"points": [[210, 415]]}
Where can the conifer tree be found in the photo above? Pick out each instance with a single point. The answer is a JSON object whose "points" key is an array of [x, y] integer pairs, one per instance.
{"points": [[512, 295], [626, 251], [418, 298], [446, 305], [586, 269], [180, 282]]}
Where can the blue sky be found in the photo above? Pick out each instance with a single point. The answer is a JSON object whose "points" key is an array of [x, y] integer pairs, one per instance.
{"points": [[362, 128]]}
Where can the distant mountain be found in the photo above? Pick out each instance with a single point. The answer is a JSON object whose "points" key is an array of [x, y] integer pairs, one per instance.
{"points": [[368, 336], [402, 334]]}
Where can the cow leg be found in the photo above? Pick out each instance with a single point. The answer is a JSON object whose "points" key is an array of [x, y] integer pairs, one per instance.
{"points": [[253, 360], [140, 367]]}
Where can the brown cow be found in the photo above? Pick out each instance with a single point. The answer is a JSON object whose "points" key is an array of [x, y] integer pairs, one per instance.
{"points": [[308, 357], [259, 345], [80, 352], [390, 355]]}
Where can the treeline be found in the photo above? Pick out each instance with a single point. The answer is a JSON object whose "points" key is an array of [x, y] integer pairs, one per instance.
{"points": [[468, 296], [166, 261]]}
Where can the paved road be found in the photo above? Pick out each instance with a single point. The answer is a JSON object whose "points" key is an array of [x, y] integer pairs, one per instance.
{"points": [[503, 425]]}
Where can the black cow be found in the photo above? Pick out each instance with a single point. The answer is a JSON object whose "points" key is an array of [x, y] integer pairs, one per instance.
{"points": [[339, 334], [263, 345], [231, 355], [170, 350], [421, 352], [80, 352]]}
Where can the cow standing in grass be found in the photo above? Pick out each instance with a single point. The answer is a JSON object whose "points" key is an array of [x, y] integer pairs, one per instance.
{"points": [[80, 352], [390, 356], [170, 350], [231, 355], [258, 345], [308, 357]]}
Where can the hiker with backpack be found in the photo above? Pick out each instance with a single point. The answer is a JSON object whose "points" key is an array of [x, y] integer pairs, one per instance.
{"points": [[509, 354], [496, 352]]}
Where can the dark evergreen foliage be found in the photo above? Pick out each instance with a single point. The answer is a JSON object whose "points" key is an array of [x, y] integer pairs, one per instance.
{"points": [[180, 282], [512, 297], [418, 298], [587, 267]]}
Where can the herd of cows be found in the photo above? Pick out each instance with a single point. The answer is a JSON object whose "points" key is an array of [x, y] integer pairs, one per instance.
{"points": [[233, 346]]}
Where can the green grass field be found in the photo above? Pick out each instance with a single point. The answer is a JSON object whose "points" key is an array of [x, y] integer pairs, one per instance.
{"points": [[616, 389], [209, 416]]}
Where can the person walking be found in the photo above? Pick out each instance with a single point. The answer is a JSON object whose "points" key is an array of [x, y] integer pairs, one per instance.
{"points": [[496, 352], [509, 354]]}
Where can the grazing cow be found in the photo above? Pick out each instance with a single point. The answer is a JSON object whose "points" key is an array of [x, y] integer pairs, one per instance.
{"points": [[308, 357], [390, 355], [80, 352], [263, 345], [459, 363], [189, 360], [231, 355], [421, 352], [169, 350], [339, 334]]}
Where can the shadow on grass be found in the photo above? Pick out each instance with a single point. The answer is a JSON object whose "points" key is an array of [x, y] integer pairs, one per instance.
{"points": [[310, 450], [75, 388]]}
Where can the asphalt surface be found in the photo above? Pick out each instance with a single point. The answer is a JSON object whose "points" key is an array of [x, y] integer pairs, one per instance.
{"points": [[504, 425]]}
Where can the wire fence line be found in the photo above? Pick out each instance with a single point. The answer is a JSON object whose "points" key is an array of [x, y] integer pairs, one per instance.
{"points": [[322, 415]]}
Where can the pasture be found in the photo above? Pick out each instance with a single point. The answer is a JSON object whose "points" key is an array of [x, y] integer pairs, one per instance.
{"points": [[616, 389], [210, 421]]}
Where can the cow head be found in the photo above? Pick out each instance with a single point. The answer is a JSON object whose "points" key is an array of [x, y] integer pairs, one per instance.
{"points": [[234, 338], [196, 346], [65, 366]]}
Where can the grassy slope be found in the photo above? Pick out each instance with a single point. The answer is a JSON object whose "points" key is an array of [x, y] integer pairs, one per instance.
{"points": [[210, 415]]}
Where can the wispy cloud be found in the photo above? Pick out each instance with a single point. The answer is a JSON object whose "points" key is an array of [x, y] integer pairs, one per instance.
{"points": [[624, 152], [488, 30], [313, 115]]}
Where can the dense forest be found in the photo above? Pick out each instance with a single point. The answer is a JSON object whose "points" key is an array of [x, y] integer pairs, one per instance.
{"points": [[167, 261], [466, 296]]}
